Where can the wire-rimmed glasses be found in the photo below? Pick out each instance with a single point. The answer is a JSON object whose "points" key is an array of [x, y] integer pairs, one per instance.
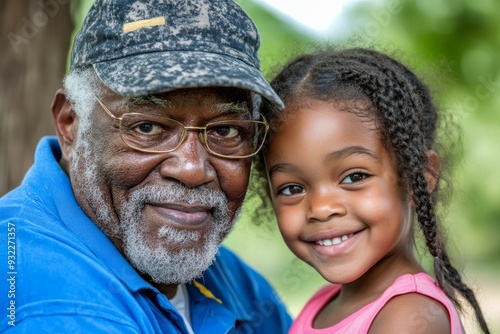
{"points": [[233, 139]]}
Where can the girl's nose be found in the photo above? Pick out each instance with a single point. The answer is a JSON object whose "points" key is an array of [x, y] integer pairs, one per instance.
{"points": [[324, 204]]}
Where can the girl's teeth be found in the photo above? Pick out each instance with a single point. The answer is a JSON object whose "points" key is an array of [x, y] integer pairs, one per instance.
{"points": [[334, 241]]}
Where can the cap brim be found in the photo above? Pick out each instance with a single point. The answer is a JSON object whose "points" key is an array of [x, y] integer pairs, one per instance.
{"points": [[158, 72]]}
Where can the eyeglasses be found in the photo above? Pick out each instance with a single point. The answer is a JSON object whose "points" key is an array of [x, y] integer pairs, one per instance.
{"points": [[233, 139]]}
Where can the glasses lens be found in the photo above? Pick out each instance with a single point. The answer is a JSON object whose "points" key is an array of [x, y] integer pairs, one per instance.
{"points": [[150, 132], [235, 138]]}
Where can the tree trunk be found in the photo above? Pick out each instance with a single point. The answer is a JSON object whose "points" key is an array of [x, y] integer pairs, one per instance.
{"points": [[35, 38]]}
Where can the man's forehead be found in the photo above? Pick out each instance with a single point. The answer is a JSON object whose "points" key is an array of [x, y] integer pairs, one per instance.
{"points": [[220, 99]]}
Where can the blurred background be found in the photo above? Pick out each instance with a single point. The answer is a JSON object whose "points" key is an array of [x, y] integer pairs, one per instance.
{"points": [[455, 45]]}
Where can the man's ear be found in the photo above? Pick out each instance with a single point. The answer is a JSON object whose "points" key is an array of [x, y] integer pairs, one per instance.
{"points": [[66, 123], [432, 170]]}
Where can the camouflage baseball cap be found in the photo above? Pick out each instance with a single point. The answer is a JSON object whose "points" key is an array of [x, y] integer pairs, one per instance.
{"points": [[140, 47]]}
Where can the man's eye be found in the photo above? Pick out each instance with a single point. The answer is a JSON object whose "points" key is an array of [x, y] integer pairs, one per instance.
{"points": [[148, 128], [226, 131], [354, 178], [290, 190]]}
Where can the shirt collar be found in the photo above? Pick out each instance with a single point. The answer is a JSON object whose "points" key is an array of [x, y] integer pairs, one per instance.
{"points": [[220, 283]]}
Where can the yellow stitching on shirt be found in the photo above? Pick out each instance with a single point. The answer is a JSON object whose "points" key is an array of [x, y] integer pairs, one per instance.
{"points": [[155, 21], [206, 292]]}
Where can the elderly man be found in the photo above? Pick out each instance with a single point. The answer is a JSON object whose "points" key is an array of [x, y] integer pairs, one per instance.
{"points": [[117, 226]]}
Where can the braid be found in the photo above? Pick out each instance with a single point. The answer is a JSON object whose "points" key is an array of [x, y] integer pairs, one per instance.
{"points": [[446, 274], [402, 107]]}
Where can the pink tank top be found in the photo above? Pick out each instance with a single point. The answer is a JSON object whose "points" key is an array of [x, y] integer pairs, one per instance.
{"points": [[361, 320]]}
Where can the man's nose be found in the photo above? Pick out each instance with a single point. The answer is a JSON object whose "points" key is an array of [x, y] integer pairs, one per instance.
{"points": [[189, 163]]}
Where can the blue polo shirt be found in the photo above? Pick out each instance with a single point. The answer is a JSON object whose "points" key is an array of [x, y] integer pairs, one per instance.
{"points": [[61, 274]]}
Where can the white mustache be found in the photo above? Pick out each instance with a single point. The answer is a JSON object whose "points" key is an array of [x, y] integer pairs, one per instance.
{"points": [[177, 193]]}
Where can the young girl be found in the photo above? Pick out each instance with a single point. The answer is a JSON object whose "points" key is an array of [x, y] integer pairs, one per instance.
{"points": [[352, 163]]}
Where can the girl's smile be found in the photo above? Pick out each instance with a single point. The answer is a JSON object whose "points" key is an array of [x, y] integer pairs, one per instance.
{"points": [[337, 245]]}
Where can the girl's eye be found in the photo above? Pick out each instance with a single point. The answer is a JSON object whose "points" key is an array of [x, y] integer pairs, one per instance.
{"points": [[290, 190], [354, 178]]}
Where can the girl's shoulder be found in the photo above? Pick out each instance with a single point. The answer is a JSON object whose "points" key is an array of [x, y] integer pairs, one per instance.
{"points": [[414, 303], [411, 313]]}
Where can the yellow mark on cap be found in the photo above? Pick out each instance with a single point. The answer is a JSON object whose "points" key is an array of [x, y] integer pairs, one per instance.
{"points": [[206, 292], [136, 25]]}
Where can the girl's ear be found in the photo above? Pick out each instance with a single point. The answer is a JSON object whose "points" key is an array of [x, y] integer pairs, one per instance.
{"points": [[432, 170]]}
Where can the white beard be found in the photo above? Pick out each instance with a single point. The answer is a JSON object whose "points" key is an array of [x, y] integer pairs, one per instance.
{"points": [[184, 264], [162, 264]]}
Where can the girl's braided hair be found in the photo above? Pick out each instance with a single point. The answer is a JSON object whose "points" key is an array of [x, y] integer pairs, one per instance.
{"points": [[377, 86]]}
